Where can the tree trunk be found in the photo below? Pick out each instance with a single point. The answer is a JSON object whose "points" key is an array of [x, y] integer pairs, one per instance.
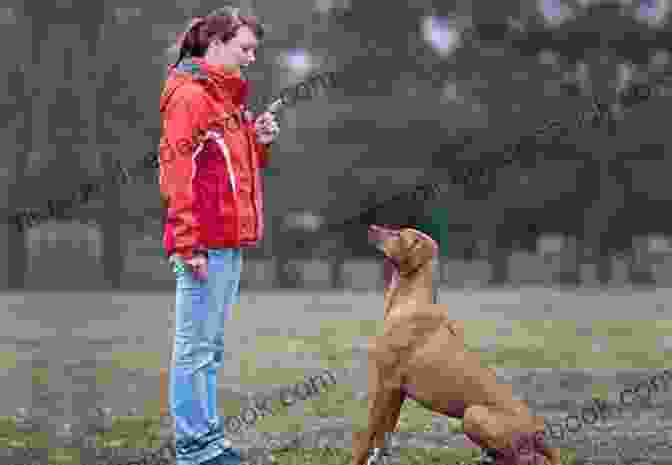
{"points": [[110, 221], [111, 217], [16, 135], [61, 76]]}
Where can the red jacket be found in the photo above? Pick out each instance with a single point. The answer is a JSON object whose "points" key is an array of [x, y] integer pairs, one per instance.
{"points": [[209, 161]]}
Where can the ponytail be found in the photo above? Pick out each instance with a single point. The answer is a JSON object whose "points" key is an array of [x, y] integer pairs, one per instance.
{"points": [[186, 41]]}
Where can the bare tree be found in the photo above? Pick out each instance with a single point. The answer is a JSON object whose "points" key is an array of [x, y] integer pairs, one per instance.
{"points": [[16, 136]]}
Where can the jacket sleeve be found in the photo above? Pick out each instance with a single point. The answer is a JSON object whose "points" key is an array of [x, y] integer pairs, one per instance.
{"points": [[184, 125]]}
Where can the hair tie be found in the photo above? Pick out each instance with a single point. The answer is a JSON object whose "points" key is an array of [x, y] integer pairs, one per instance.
{"points": [[236, 17], [195, 21]]}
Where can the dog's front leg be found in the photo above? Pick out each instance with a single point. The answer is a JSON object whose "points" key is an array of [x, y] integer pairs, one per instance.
{"points": [[385, 399]]}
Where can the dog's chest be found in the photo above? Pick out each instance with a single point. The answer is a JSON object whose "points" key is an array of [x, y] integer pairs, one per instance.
{"points": [[452, 408], [411, 393]]}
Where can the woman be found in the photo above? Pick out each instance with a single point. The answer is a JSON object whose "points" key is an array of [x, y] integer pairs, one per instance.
{"points": [[211, 153]]}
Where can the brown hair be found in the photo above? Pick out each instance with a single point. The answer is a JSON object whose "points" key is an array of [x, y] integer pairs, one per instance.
{"points": [[223, 24]]}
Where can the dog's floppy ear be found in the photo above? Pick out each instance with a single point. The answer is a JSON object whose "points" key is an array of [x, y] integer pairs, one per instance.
{"points": [[418, 251]]}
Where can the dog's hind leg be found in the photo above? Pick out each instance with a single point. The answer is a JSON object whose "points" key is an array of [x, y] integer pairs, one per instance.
{"points": [[488, 427], [552, 454], [514, 435]]}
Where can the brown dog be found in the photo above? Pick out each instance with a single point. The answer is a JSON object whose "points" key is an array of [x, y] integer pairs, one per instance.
{"points": [[421, 355]]}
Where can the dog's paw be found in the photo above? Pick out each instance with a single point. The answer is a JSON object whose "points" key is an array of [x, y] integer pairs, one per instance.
{"points": [[380, 457]]}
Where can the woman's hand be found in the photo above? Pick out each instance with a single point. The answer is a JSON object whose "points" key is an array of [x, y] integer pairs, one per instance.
{"points": [[267, 128], [199, 266]]}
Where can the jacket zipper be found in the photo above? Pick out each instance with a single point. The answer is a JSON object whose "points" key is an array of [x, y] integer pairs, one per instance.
{"points": [[231, 176], [253, 170]]}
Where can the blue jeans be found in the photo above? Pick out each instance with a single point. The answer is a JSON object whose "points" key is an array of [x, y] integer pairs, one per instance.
{"points": [[201, 309]]}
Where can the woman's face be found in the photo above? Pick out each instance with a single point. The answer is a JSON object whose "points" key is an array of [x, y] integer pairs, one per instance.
{"points": [[237, 52]]}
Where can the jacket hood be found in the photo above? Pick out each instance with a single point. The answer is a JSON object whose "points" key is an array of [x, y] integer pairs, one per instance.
{"points": [[221, 84]]}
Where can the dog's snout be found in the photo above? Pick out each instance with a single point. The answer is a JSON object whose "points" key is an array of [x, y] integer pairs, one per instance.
{"points": [[375, 231], [373, 235], [382, 232]]}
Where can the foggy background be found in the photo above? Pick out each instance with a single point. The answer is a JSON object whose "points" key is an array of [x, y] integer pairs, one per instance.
{"points": [[81, 84]]}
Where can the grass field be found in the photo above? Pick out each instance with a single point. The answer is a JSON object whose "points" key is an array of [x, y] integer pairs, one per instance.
{"points": [[528, 344]]}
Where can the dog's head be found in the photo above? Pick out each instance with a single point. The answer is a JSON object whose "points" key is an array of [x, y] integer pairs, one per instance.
{"points": [[407, 249]]}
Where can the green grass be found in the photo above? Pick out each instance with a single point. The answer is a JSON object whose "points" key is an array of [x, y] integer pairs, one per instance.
{"points": [[409, 456], [7, 360], [531, 344], [126, 433]]}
